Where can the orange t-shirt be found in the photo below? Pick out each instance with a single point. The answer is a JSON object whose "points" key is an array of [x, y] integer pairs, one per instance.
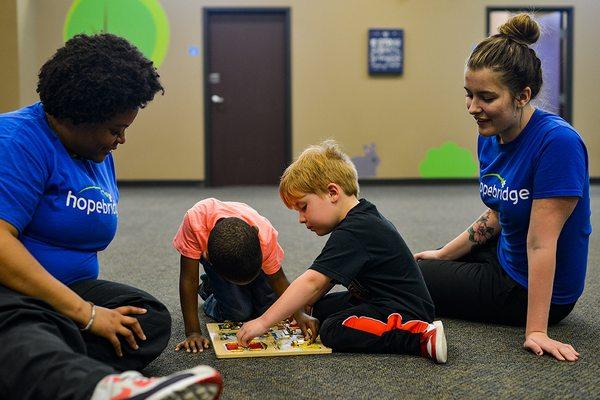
{"points": [[192, 238]]}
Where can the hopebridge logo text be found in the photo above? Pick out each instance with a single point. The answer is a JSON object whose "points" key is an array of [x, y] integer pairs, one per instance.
{"points": [[504, 192], [83, 203]]}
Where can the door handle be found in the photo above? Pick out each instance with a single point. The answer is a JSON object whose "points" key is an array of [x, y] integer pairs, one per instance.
{"points": [[217, 99]]}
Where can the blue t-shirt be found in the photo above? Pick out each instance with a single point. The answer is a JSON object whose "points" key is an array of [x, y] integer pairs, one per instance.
{"points": [[64, 208], [548, 159]]}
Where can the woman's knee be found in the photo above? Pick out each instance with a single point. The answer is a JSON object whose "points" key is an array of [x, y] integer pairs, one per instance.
{"points": [[160, 319], [156, 324]]}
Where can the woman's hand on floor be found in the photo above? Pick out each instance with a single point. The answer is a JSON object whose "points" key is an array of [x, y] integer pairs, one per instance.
{"points": [[112, 323], [539, 342], [429, 255], [194, 343]]}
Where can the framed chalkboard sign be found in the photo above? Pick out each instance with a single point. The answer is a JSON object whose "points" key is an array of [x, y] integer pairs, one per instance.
{"points": [[386, 51]]}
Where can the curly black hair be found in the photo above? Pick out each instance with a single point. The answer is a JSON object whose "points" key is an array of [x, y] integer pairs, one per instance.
{"points": [[234, 250], [92, 78]]}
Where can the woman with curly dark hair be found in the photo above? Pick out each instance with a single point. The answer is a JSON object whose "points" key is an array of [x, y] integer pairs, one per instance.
{"points": [[65, 333]]}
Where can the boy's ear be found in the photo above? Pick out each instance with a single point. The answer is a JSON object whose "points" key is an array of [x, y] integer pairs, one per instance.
{"points": [[205, 255], [333, 191]]}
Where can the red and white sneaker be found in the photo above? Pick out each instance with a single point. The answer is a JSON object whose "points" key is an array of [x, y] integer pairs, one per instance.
{"points": [[433, 343], [199, 383]]}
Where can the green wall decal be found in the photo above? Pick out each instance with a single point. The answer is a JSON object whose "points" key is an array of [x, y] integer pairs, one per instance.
{"points": [[448, 161], [142, 22]]}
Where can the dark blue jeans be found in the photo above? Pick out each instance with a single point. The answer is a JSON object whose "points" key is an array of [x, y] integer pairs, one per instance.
{"points": [[231, 302]]}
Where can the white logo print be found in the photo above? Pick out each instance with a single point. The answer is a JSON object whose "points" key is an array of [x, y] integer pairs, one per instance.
{"points": [[504, 192], [90, 205]]}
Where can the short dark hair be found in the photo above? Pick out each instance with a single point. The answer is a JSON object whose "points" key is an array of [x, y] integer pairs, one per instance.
{"points": [[509, 53], [92, 78], [234, 250]]}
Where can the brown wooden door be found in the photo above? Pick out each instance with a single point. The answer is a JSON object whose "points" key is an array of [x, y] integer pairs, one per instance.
{"points": [[247, 96]]}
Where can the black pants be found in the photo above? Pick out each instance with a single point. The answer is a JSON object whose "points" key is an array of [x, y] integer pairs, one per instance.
{"points": [[477, 288], [44, 355], [333, 309]]}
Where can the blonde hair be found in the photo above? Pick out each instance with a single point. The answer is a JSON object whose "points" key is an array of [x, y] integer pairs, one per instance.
{"points": [[317, 167], [509, 53]]}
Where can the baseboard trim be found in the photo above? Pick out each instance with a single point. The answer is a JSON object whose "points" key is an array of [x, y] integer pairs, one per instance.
{"points": [[160, 183], [432, 181], [418, 181], [363, 182]]}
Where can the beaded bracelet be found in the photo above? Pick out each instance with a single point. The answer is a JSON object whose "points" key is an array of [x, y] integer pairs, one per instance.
{"points": [[91, 321]]}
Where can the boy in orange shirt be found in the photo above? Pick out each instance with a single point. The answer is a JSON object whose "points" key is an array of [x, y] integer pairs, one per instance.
{"points": [[241, 257], [387, 308]]}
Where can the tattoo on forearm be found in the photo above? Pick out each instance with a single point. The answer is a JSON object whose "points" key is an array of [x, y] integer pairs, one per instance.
{"points": [[479, 232]]}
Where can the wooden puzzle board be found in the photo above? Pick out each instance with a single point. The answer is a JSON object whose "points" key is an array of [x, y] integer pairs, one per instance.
{"points": [[282, 339]]}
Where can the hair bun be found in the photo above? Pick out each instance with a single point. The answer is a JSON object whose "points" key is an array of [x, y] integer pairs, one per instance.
{"points": [[522, 28]]}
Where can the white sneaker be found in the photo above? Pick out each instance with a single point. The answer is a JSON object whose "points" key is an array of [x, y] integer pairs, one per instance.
{"points": [[433, 343], [199, 383]]}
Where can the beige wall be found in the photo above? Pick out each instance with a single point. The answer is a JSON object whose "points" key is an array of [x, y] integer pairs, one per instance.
{"points": [[30, 43], [9, 66], [332, 94]]}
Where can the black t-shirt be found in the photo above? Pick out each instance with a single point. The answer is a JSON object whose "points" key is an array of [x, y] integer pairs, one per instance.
{"points": [[367, 255]]}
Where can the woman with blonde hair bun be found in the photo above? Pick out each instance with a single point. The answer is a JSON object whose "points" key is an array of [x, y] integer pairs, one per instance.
{"points": [[523, 261]]}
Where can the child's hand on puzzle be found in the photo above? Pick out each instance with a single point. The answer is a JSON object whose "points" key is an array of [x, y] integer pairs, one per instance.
{"points": [[250, 330], [194, 343], [309, 325]]}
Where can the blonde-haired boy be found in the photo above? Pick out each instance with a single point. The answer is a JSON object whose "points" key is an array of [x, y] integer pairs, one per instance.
{"points": [[387, 308]]}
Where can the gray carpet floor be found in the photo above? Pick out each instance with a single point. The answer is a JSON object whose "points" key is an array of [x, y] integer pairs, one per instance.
{"points": [[483, 360]]}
